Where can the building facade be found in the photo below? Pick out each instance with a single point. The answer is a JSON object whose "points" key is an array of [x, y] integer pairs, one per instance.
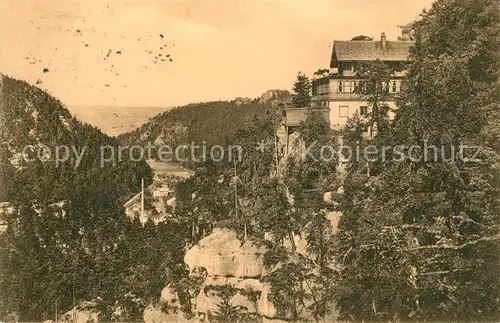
{"points": [[337, 96], [339, 91]]}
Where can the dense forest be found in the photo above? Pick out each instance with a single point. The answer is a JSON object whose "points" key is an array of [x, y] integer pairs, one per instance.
{"points": [[213, 123], [65, 232]]}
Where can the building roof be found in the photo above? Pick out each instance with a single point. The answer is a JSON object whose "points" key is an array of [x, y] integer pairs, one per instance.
{"points": [[408, 26], [348, 51]]}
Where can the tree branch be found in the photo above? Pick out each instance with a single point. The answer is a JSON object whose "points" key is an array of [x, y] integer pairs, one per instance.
{"points": [[455, 247]]}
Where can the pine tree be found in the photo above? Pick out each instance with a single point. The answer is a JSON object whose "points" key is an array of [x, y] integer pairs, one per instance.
{"points": [[302, 91]]}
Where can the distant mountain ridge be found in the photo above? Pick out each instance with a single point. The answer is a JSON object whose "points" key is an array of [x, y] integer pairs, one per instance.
{"points": [[116, 120], [211, 123]]}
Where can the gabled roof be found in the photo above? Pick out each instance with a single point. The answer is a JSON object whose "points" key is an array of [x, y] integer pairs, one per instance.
{"points": [[408, 26], [347, 51]]}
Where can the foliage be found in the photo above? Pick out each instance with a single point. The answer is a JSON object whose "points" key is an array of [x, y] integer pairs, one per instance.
{"points": [[301, 91], [361, 38], [416, 235], [374, 89], [208, 123], [322, 72], [299, 286], [226, 312], [68, 239], [301, 283]]}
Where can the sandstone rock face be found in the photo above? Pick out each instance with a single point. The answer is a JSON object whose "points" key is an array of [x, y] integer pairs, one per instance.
{"points": [[275, 95], [266, 308], [223, 254], [222, 261], [82, 313], [153, 314], [228, 262]]}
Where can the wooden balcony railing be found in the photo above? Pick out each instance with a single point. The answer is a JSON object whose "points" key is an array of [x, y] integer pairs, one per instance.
{"points": [[344, 96]]}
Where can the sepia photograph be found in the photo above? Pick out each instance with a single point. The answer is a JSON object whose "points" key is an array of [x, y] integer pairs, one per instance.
{"points": [[239, 161]]}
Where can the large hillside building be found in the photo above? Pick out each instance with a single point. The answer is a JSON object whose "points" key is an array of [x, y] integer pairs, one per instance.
{"points": [[338, 90], [336, 95]]}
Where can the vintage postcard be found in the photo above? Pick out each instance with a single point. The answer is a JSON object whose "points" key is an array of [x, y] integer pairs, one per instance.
{"points": [[249, 161]]}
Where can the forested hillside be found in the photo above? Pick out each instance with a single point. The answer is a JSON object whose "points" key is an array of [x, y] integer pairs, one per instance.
{"points": [[66, 238], [30, 116], [419, 238], [209, 122]]}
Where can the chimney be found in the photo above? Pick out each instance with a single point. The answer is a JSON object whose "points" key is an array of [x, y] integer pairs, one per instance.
{"points": [[405, 35], [383, 41]]}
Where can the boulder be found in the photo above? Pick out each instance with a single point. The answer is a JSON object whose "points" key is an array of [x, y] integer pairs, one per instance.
{"points": [[328, 197], [168, 295], [249, 259], [171, 202]]}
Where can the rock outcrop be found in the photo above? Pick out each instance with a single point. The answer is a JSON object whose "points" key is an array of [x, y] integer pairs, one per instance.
{"points": [[85, 312], [228, 262], [223, 254], [220, 261], [275, 95]]}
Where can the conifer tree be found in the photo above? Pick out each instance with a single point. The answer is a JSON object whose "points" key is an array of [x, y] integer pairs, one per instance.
{"points": [[302, 91]]}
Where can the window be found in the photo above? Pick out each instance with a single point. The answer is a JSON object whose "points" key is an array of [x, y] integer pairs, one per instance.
{"points": [[363, 110], [344, 111], [355, 86], [340, 87], [394, 87], [347, 86]]}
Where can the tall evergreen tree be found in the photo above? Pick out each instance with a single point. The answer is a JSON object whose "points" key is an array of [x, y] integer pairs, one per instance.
{"points": [[302, 91]]}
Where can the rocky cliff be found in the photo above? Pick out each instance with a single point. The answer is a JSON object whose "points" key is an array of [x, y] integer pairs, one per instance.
{"points": [[230, 274]]}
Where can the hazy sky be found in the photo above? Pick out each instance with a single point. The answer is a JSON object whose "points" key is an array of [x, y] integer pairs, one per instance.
{"points": [[220, 49]]}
